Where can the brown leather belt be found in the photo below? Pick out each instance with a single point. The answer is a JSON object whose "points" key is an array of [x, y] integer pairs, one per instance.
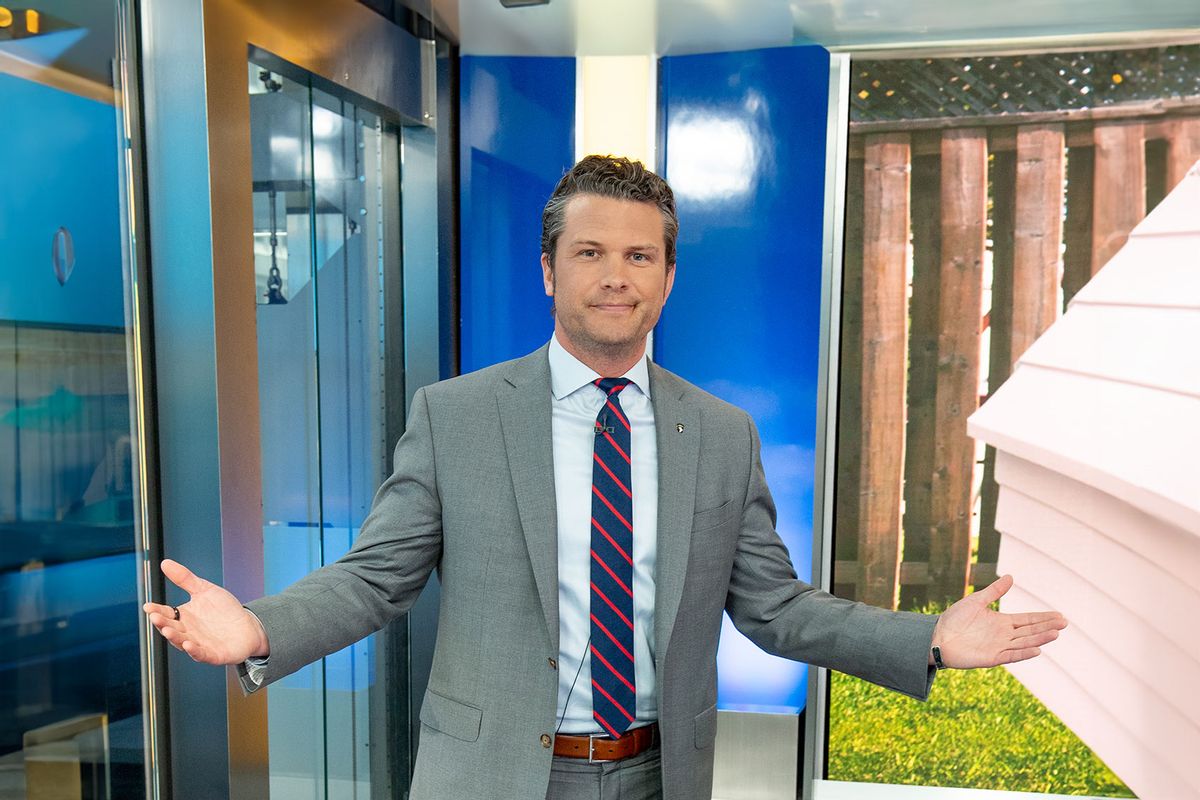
{"points": [[602, 748]]}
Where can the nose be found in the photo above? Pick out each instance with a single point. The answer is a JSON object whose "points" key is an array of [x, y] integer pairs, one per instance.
{"points": [[615, 274]]}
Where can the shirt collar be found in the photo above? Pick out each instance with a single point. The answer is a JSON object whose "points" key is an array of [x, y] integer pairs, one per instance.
{"points": [[568, 373]]}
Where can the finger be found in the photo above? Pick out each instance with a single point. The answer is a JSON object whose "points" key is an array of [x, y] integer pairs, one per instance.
{"points": [[164, 621], [1023, 654], [1053, 623], [174, 636], [181, 576], [194, 650], [1034, 640], [996, 589], [159, 608], [184, 643], [1037, 618]]}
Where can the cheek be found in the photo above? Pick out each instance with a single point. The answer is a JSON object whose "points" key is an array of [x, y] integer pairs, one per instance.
{"points": [[655, 288], [567, 288]]}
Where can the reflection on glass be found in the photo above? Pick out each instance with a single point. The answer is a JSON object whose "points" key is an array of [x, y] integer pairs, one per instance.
{"points": [[281, 158], [70, 677], [318, 266]]}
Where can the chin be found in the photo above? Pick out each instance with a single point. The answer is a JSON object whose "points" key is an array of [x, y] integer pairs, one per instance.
{"points": [[616, 341]]}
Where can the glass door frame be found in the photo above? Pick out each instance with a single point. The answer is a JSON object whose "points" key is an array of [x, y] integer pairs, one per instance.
{"points": [[196, 123]]}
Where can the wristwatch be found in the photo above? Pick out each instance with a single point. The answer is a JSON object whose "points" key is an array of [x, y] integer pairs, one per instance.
{"points": [[937, 657]]}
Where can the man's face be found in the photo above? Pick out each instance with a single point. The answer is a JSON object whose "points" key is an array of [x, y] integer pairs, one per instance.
{"points": [[610, 280]]}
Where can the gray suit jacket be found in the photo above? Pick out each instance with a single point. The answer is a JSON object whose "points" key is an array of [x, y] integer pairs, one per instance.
{"points": [[473, 495]]}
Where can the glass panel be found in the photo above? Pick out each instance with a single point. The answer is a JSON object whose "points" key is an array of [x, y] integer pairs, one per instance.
{"points": [[286, 322], [71, 710], [350, 364], [318, 205]]}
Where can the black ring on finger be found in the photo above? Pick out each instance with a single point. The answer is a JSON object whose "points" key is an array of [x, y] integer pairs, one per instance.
{"points": [[176, 610]]}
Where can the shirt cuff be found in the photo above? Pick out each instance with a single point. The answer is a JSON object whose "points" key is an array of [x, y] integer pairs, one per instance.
{"points": [[250, 671]]}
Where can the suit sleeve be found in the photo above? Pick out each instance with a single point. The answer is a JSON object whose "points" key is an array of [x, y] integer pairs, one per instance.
{"points": [[398, 546], [790, 618]]}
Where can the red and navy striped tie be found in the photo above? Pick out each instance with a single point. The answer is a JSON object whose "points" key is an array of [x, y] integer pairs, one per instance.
{"points": [[614, 696]]}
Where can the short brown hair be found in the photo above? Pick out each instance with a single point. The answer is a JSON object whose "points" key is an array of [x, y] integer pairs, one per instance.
{"points": [[610, 176]]}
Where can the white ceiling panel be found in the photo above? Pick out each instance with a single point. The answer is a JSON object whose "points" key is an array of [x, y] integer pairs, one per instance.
{"points": [[672, 27]]}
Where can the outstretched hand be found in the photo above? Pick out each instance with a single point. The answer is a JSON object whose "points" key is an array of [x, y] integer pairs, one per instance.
{"points": [[212, 627], [972, 635]]}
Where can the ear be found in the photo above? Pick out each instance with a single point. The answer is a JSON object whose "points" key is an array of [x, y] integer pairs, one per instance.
{"points": [[547, 275], [670, 283]]}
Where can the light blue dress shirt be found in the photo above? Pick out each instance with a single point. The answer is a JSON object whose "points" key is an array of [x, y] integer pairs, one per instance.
{"points": [[575, 403]]}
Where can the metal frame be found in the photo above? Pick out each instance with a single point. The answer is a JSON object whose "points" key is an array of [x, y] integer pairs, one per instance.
{"points": [[952, 48], [446, 114], [837, 135], [140, 324], [197, 133]]}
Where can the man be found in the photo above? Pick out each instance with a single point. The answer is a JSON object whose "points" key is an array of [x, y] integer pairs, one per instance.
{"points": [[591, 515]]}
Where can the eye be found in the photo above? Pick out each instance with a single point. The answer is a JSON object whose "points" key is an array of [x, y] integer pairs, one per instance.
{"points": [[640, 258], [587, 253]]}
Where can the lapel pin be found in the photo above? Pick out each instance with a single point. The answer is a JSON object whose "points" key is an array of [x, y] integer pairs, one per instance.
{"points": [[679, 427]]}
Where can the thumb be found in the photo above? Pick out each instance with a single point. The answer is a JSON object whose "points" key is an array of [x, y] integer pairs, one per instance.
{"points": [[995, 590], [181, 576]]}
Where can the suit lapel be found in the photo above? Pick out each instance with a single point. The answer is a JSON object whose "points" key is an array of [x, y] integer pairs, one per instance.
{"points": [[525, 419], [678, 454]]}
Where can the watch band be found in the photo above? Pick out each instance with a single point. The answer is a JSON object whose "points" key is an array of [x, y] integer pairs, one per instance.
{"points": [[937, 657]]}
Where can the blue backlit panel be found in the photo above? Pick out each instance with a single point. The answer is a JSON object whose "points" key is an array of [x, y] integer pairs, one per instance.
{"points": [[517, 139], [60, 160], [742, 142]]}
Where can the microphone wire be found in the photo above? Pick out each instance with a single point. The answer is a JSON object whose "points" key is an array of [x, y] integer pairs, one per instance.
{"points": [[571, 691]]}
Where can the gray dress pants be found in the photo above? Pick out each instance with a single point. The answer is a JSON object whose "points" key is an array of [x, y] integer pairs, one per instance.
{"points": [[636, 778]]}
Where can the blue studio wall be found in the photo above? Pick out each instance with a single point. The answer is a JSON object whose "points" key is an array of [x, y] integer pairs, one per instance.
{"points": [[742, 142], [508, 170]]}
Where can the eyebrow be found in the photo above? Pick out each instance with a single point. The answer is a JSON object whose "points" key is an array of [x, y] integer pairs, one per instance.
{"points": [[592, 243]]}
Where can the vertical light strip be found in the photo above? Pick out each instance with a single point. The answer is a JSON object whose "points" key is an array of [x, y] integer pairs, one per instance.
{"points": [[615, 106], [616, 111]]}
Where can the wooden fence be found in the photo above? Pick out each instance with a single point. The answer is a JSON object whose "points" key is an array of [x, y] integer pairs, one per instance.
{"points": [[1050, 198]]}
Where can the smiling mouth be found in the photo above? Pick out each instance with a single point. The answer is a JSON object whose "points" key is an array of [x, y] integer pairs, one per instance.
{"points": [[613, 308]]}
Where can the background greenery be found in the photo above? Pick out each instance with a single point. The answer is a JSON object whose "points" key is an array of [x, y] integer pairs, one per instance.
{"points": [[979, 729]]}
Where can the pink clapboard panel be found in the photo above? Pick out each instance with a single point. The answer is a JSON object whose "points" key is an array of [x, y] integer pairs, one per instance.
{"points": [[1144, 588], [1136, 444], [1097, 433], [1098, 341], [1172, 549], [1129, 727], [1135, 661], [1148, 271]]}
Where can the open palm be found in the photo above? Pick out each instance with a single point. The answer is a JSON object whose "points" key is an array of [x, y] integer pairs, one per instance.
{"points": [[213, 627], [972, 635]]}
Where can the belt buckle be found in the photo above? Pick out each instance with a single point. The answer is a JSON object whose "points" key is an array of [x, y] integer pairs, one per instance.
{"points": [[592, 752]]}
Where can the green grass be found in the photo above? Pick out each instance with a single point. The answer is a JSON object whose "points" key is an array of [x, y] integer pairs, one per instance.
{"points": [[980, 729]]}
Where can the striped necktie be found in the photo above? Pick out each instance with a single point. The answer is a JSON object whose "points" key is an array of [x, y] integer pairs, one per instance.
{"points": [[614, 698]]}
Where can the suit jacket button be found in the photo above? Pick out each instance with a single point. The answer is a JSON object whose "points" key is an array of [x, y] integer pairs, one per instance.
{"points": [[553, 664], [546, 740]]}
